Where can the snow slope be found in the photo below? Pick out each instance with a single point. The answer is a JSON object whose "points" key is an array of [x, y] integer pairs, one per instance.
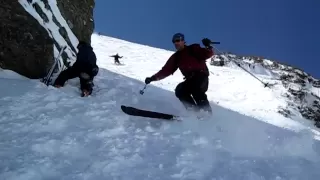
{"points": [[49, 133]]}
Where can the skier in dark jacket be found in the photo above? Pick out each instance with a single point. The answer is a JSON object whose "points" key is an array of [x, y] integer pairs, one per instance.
{"points": [[191, 60], [85, 68], [116, 58]]}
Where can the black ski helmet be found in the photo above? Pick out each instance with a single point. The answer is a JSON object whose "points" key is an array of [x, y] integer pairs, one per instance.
{"points": [[177, 36]]}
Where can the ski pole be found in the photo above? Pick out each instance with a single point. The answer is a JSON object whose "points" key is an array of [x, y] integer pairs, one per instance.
{"points": [[47, 78], [142, 90], [265, 84]]}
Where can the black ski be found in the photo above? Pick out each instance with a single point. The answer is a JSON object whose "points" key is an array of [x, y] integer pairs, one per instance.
{"points": [[145, 113]]}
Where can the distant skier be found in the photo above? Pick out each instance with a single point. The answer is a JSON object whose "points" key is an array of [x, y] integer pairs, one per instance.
{"points": [[85, 68], [116, 58], [191, 62]]}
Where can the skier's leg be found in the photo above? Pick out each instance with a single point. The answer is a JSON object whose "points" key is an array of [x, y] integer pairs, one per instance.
{"points": [[202, 101], [182, 92], [86, 81], [200, 88], [86, 84], [65, 75]]}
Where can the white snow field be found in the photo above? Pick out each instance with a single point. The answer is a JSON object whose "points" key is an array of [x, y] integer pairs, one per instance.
{"points": [[49, 133]]}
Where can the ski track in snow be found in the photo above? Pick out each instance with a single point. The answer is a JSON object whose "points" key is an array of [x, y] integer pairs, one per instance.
{"points": [[49, 133]]}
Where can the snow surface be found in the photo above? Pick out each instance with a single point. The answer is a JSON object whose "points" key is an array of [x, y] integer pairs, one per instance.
{"points": [[49, 133], [316, 91]]}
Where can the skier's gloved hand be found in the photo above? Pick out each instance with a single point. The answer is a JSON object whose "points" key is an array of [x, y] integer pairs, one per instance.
{"points": [[206, 42], [149, 80], [95, 71]]}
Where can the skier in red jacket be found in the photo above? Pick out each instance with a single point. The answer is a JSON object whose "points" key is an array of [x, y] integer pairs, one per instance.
{"points": [[191, 60]]}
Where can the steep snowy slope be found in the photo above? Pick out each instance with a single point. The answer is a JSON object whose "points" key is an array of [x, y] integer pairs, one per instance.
{"points": [[49, 133]]}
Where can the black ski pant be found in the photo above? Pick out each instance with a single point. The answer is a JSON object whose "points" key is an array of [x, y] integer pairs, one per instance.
{"points": [[192, 92], [86, 83]]}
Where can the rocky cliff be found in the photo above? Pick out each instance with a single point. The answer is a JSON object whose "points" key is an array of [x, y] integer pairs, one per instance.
{"points": [[25, 46], [300, 89], [79, 16], [34, 31]]}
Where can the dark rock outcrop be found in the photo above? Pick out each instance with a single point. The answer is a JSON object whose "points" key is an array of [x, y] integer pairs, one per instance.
{"points": [[79, 16], [301, 98], [25, 46]]}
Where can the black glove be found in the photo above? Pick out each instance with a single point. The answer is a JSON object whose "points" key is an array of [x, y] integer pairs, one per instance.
{"points": [[95, 71], [149, 80], [206, 42]]}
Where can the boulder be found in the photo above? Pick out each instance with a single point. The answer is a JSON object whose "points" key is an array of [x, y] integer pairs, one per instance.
{"points": [[25, 46]]}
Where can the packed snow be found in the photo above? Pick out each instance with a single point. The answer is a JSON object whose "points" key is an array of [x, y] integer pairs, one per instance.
{"points": [[49, 133]]}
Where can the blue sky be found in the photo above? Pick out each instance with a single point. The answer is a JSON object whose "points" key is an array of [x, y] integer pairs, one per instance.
{"points": [[282, 30]]}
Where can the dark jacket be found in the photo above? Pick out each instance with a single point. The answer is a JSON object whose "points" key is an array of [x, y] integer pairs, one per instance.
{"points": [[86, 58], [116, 57], [191, 59]]}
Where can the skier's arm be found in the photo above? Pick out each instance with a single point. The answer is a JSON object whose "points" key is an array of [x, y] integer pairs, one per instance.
{"points": [[93, 59], [82, 56], [202, 53], [169, 68]]}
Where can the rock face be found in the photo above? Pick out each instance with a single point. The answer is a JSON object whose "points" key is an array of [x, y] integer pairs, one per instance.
{"points": [[79, 16], [25, 46], [301, 90], [33, 31]]}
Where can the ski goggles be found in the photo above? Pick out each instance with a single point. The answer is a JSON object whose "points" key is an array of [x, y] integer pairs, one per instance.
{"points": [[177, 40]]}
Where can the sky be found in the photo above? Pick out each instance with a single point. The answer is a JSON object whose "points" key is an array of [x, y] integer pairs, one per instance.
{"points": [[287, 31]]}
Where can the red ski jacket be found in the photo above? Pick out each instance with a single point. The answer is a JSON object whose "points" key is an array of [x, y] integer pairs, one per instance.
{"points": [[190, 60]]}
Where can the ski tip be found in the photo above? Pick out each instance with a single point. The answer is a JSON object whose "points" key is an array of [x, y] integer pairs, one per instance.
{"points": [[124, 108]]}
